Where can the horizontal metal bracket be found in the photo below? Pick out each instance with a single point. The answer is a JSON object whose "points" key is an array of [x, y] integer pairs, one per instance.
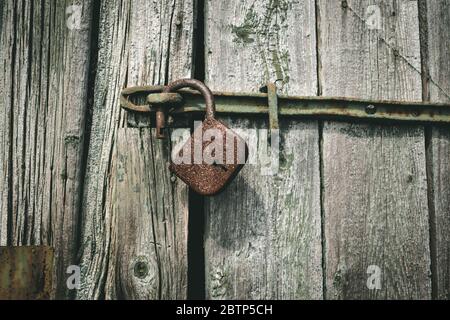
{"points": [[289, 106]]}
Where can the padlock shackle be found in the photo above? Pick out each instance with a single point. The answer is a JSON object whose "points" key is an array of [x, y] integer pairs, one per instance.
{"points": [[199, 86]]}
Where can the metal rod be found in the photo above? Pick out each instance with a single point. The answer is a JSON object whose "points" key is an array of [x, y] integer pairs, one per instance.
{"points": [[346, 108]]}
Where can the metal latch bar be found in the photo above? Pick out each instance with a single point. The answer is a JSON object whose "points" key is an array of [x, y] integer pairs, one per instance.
{"points": [[273, 106], [298, 106]]}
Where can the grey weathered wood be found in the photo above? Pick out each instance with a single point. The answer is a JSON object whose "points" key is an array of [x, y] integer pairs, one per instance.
{"points": [[5, 125], [437, 17], [140, 42], [149, 208], [44, 78], [374, 177], [263, 234]]}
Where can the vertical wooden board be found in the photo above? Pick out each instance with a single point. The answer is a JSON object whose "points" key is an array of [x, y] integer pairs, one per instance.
{"points": [[148, 206], [263, 233], [5, 117], [251, 42], [140, 42], [437, 17], [374, 176], [44, 65]]}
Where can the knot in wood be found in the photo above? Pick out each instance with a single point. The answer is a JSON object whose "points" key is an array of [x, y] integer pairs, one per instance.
{"points": [[141, 269]]}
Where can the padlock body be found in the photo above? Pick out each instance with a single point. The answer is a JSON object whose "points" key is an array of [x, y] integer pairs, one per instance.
{"points": [[212, 141]]}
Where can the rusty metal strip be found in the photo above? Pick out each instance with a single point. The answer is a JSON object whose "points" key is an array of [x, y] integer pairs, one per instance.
{"points": [[273, 106], [296, 106], [26, 273]]}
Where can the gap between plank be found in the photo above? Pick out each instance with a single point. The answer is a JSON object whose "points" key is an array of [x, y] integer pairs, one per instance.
{"points": [[425, 74], [196, 253], [321, 162], [93, 59]]}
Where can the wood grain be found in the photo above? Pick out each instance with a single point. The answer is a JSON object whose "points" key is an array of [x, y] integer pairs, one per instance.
{"points": [[44, 66], [263, 234], [140, 42], [374, 177], [383, 197], [436, 14], [149, 208]]}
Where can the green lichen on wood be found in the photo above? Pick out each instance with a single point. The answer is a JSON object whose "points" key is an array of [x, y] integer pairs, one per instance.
{"points": [[285, 61], [277, 65], [286, 161], [244, 33], [219, 284], [262, 32]]}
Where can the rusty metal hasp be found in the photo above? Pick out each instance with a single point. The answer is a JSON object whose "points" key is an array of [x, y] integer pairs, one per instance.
{"points": [[210, 176], [293, 106]]}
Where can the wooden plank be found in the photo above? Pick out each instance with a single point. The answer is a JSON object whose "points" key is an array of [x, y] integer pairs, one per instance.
{"points": [[436, 15], [146, 226], [140, 42], [374, 177], [263, 234], [5, 118], [44, 66]]}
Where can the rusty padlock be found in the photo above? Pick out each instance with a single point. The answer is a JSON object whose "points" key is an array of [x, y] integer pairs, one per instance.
{"points": [[212, 161]]}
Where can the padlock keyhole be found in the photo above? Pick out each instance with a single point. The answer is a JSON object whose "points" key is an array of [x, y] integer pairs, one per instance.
{"points": [[220, 166]]}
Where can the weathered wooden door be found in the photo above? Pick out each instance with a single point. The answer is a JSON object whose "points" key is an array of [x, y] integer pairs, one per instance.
{"points": [[350, 199]]}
